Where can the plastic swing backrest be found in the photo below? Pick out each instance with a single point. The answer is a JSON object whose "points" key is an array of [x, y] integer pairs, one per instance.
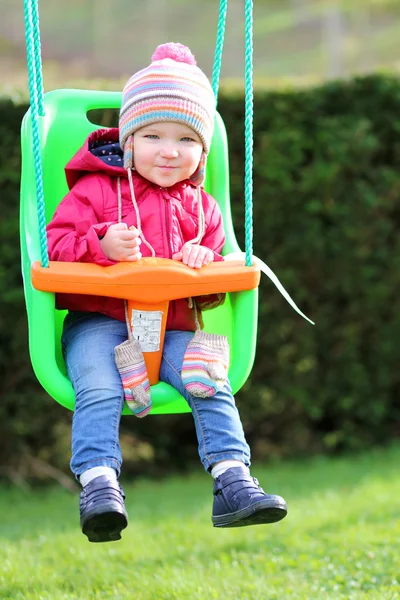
{"points": [[63, 130]]}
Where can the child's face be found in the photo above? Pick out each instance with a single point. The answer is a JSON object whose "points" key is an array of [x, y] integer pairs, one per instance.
{"points": [[165, 153]]}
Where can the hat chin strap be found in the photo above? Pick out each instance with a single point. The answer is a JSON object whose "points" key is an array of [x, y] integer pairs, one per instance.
{"points": [[200, 218], [197, 179]]}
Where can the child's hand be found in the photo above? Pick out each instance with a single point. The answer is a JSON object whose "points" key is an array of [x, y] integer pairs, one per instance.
{"points": [[121, 243], [194, 256]]}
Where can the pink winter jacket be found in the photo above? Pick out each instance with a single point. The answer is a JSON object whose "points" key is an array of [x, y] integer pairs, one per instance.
{"points": [[168, 220]]}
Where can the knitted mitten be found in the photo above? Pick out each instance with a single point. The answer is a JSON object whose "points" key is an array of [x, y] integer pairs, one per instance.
{"points": [[131, 366], [205, 364]]}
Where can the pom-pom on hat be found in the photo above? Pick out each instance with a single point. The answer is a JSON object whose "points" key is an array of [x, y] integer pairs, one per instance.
{"points": [[172, 88]]}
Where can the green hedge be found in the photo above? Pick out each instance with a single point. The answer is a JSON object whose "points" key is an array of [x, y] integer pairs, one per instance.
{"points": [[326, 212]]}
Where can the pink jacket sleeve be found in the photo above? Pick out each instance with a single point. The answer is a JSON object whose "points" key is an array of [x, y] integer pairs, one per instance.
{"points": [[74, 231]]}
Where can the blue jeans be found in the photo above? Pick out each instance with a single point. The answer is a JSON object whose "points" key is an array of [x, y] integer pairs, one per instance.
{"points": [[88, 343]]}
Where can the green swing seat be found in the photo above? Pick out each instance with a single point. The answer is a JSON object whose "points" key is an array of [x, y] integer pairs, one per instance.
{"points": [[63, 130]]}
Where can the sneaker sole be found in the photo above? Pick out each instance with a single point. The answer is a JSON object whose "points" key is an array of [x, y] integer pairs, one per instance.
{"points": [[105, 527], [258, 514]]}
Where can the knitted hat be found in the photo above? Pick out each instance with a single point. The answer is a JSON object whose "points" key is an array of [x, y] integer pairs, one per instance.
{"points": [[172, 88]]}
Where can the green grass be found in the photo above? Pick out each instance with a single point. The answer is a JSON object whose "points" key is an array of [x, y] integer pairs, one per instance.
{"points": [[339, 541]]}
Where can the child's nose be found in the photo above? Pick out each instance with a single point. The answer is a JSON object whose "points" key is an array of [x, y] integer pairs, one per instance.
{"points": [[169, 151]]}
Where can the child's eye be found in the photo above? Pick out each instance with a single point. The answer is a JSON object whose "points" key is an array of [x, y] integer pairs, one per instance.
{"points": [[187, 139], [151, 136]]}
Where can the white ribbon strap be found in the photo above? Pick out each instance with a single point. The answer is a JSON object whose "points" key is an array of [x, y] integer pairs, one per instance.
{"points": [[269, 273]]}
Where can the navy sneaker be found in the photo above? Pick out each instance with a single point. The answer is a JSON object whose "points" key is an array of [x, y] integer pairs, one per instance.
{"points": [[239, 501], [102, 509]]}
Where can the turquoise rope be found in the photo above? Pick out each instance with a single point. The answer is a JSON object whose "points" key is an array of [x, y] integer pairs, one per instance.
{"points": [[38, 56], [219, 46], [35, 81], [249, 111]]}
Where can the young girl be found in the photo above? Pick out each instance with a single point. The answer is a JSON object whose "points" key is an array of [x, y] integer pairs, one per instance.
{"points": [[137, 191]]}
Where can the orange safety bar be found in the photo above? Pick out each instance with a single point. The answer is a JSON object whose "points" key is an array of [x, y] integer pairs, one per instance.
{"points": [[147, 285]]}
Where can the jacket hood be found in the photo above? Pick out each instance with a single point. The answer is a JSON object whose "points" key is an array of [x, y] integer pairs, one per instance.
{"points": [[100, 152]]}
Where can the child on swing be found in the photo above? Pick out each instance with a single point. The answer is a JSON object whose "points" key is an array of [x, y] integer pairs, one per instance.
{"points": [[137, 191]]}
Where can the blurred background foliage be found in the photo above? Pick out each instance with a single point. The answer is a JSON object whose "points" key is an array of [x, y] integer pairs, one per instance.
{"points": [[326, 211], [301, 42]]}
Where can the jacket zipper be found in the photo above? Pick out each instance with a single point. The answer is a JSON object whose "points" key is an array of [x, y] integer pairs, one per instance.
{"points": [[167, 205], [167, 222]]}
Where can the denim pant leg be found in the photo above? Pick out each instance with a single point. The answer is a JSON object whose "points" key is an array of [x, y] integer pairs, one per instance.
{"points": [[88, 342], [218, 426]]}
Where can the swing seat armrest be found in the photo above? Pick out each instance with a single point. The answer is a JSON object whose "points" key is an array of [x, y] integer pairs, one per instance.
{"points": [[147, 281]]}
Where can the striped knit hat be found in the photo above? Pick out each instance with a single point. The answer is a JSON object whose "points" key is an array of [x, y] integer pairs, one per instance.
{"points": [[172, 88]]}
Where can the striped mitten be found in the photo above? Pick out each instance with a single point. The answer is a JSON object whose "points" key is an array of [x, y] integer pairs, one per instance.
{"points": [[205, 364], [131, 366]]}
